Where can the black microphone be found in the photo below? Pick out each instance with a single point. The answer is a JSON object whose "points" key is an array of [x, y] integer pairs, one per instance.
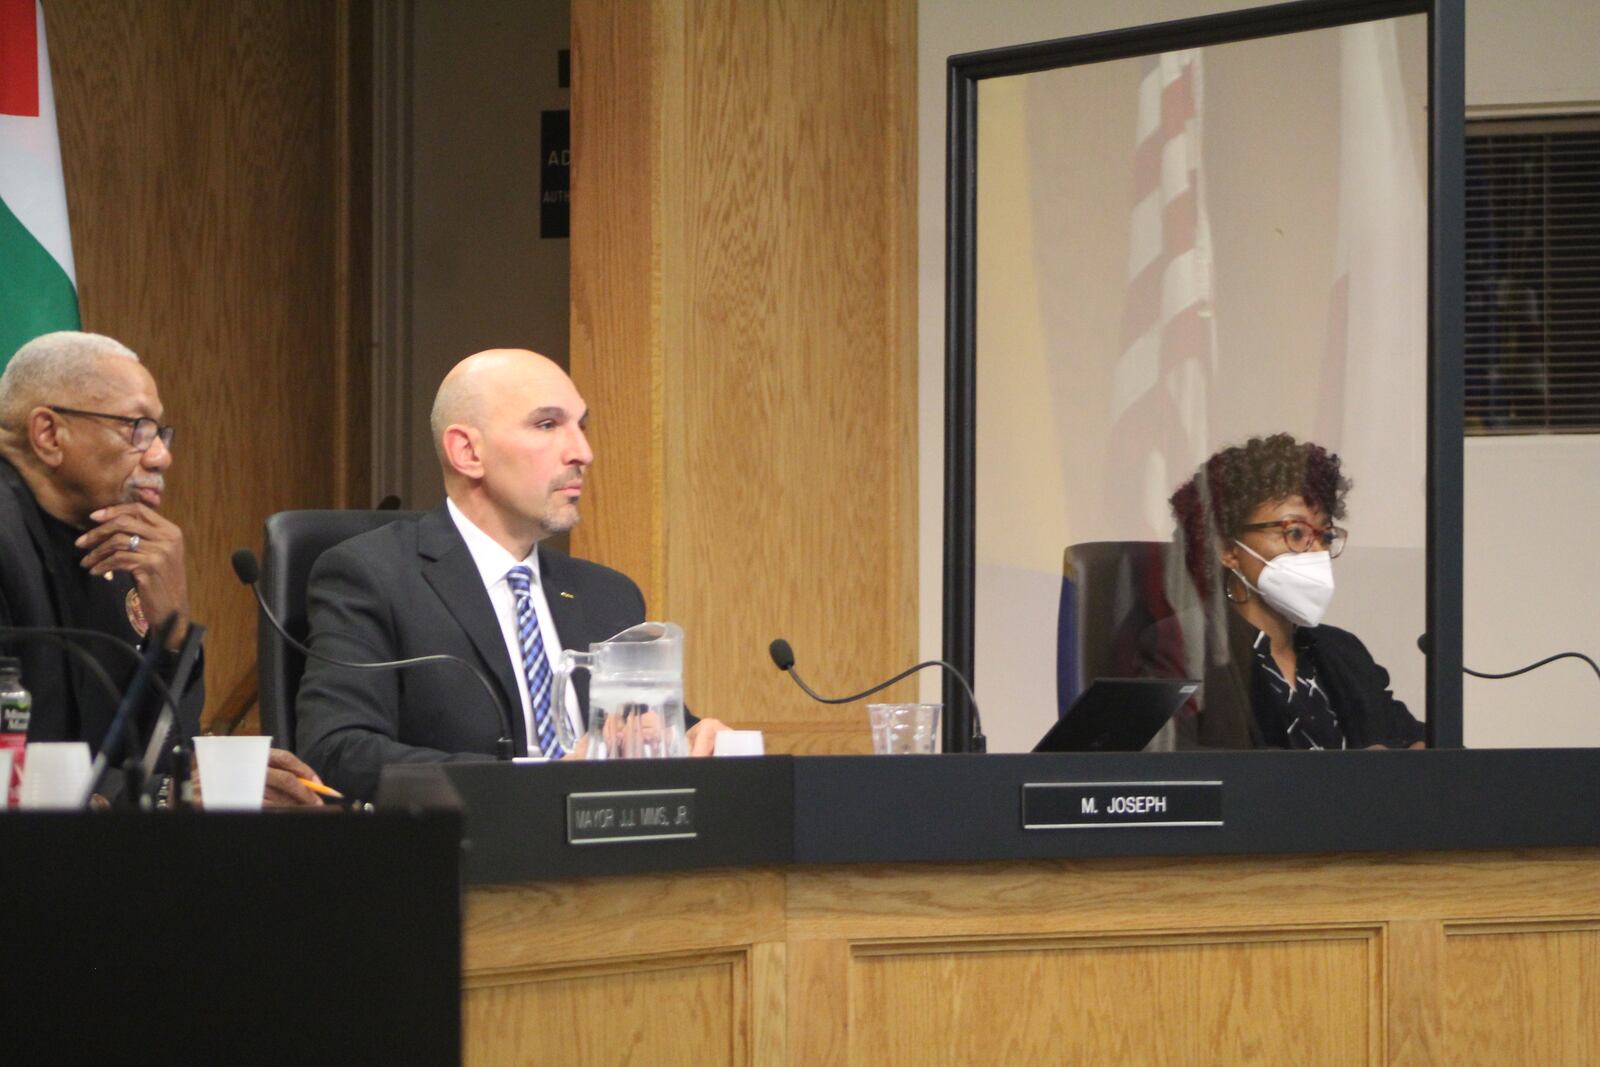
{"points": [[69, 638], [783, 658], [188, 655], [66, 637], [57, 635], [122, 721], [1425, 646], [248, 571]]}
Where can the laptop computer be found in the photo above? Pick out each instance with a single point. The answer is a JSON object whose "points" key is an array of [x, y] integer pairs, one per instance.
{"points": [[1118, 715]]}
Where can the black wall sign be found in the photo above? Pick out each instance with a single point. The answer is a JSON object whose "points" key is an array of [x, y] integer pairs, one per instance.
{"points": [[630, 815], [555, 170], [1087, 805]]}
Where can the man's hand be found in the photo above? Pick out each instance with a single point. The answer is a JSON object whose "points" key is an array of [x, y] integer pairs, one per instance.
{"points": [[284, 788], [703, 736], [156, 564]]}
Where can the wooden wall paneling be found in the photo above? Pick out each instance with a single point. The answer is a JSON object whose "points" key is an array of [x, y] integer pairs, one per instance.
{"points": [[768, 999], [1305, 996], [1189, 893], [780, 270], [690, 1010], [616, 355], [689, 966], [600, 918], [1413, 980], [788, 514], [1395, 959], [202, 150], [819, 1000], [353, 100], [1523, 992]]}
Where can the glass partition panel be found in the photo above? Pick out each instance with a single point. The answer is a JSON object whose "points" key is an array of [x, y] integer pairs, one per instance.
{"points": [[1178, 255]]}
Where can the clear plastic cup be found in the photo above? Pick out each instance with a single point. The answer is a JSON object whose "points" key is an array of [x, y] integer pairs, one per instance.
{"points": [[904, 729]]}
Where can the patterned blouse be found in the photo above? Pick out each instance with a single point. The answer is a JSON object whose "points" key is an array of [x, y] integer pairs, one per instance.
{"points": [[1292, 715]]}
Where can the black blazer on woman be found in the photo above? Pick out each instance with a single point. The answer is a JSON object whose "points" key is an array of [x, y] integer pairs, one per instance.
{"points": [[1357, 686]]}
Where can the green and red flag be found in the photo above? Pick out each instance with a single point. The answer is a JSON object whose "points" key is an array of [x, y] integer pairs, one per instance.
{"points": [[38, 284]]}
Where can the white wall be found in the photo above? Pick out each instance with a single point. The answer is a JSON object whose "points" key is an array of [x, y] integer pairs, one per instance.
{"points": [[1532, 589], [1520, 54]]}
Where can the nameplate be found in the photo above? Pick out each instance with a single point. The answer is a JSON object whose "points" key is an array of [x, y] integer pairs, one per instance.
{"points": [[1093, 805], [630, 815]]}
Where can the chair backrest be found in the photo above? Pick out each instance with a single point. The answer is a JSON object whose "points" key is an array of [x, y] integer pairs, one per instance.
{"points": [[292, 544], [1112, 590]]}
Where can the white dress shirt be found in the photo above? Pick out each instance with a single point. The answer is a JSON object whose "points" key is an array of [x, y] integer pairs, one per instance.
{"points": [[494, 563]]}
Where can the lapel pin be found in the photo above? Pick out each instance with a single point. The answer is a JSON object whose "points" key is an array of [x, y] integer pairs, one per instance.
{"points": [[568, 595]]}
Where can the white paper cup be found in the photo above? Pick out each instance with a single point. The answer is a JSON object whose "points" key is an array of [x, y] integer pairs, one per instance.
{"points": [[5, 777], [738, 743], [55, 775], [233, 772]]}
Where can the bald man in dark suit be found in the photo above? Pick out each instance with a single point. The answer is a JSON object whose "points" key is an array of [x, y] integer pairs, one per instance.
{"points": [[471, 579]]}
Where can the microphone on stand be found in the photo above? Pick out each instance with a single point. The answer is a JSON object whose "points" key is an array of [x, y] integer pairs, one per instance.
{"points": [[70, 639], [248, 571], [122, 722], [783, 658]]}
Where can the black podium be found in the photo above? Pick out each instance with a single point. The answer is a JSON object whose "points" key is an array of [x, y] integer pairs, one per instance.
{"points": [[521, 822], [292, 937]]}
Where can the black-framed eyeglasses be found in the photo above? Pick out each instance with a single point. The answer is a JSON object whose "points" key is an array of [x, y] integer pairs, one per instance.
{"points": [[1300, 536], [143, 429]]}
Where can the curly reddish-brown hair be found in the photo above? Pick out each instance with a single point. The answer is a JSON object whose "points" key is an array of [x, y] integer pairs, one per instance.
{"points": [[1237, 480]]}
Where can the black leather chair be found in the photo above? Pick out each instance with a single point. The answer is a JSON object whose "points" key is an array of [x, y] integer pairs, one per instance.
{"points": [[1111, 593], [1115, 580], [293, 542]]}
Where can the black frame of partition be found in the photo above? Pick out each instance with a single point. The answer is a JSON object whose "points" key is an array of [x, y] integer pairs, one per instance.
{"points": [[1446, 152]]}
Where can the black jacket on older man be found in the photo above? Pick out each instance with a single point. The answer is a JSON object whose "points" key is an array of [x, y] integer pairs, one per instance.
{"points": [[41, 584]]}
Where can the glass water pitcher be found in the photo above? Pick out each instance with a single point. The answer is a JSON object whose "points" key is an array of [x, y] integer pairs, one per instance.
{"points": [[635, 695]]}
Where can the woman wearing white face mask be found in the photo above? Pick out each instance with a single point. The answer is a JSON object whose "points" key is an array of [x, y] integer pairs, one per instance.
{"points": [[1258, 525]]}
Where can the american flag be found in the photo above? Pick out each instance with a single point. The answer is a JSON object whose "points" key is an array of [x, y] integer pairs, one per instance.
{"points": [[1158, 400]]}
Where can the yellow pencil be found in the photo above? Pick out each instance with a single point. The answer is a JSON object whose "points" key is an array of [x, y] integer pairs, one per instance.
{"points": [[318, 787]]}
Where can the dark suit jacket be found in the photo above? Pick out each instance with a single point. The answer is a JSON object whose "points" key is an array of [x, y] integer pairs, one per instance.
{"points": [[32, 594], [412, 589], [1357, 687]]}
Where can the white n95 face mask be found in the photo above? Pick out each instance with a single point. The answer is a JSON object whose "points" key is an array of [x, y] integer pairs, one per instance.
{"points": [[1299, 585]]}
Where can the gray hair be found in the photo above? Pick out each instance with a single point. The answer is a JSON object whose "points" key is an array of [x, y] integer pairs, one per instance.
{"points": [[53, 365]]}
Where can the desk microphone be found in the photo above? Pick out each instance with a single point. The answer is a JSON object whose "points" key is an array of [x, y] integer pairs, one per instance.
{"points": [[1425, 646], [59, 636], [71, 639], [783, 658], [127, 711], [248, 571]]}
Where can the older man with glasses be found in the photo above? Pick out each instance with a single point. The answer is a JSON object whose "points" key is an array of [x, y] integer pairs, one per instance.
{"points": [[83, 463]]}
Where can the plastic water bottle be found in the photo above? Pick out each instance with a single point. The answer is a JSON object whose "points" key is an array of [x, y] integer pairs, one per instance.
{"points": [[16, 709]]}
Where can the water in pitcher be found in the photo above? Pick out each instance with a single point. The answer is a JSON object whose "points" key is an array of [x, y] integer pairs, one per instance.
{"points": [[635, 694], [636, 716]]}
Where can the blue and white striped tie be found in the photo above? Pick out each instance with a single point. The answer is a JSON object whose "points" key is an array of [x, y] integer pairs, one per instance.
{"points": [[535, 665]]}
